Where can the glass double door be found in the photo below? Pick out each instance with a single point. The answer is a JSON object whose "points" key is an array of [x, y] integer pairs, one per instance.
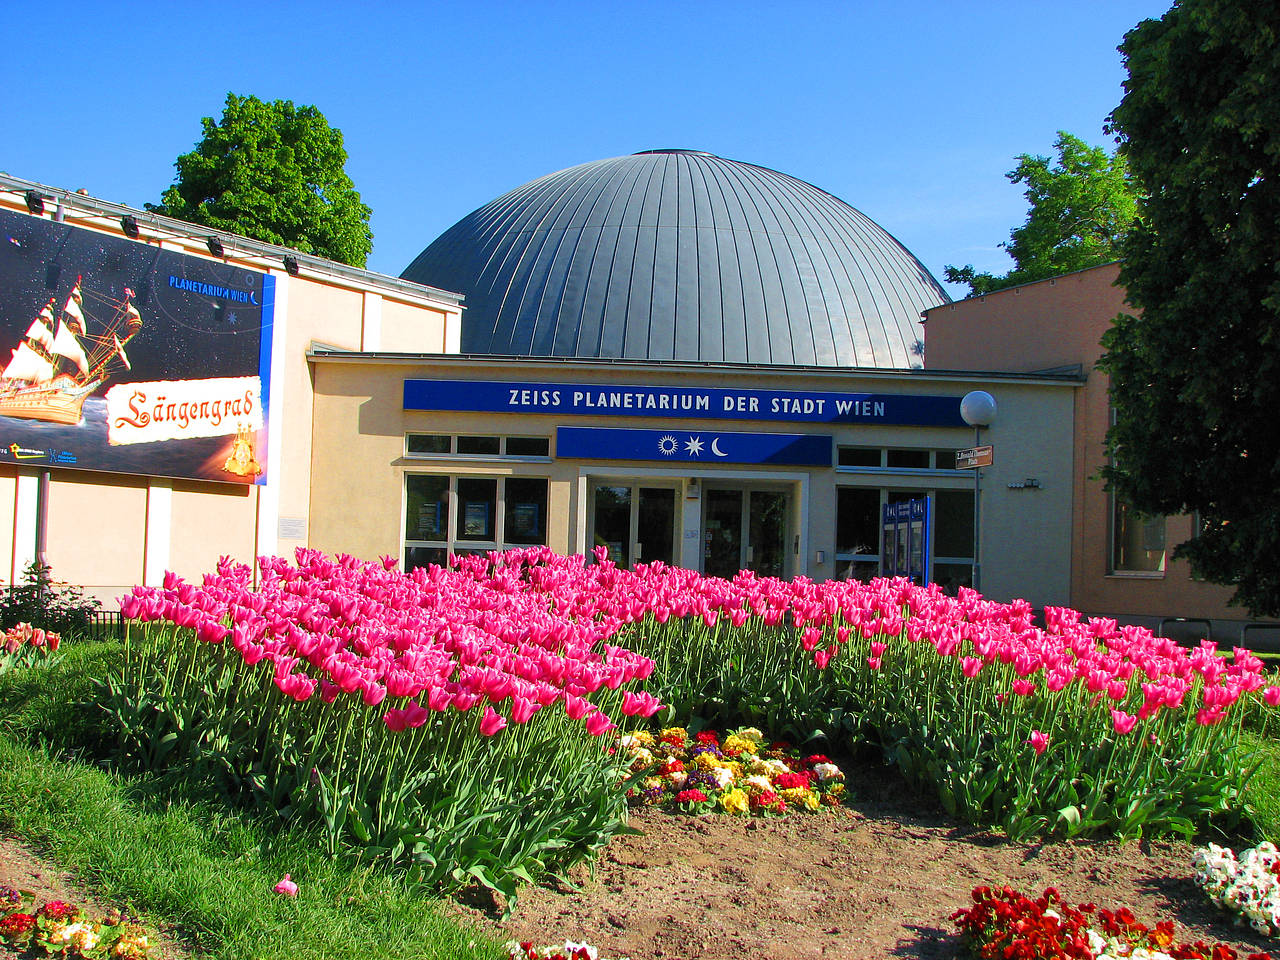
{"points": [[744, 529], [636, 523]]}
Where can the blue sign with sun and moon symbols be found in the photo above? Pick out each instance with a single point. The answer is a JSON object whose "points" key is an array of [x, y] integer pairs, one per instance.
{"points": [[693, 446]]}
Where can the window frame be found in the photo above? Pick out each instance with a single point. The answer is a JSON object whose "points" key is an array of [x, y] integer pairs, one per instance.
{"points": [[452, 544], [502, 454]]}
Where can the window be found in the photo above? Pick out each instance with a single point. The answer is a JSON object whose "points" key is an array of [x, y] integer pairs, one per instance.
{"points": [[427, 443], [858, 532], [860, 540], [480, 446], [467, 445], [911, 459], [1137, 541], [894, 459], [451, 514], [858, 457]]}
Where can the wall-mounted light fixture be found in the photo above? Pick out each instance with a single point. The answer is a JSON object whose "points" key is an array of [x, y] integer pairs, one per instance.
{"points": [[35, 203], [129, 225], [291, 265], [214, 245]]}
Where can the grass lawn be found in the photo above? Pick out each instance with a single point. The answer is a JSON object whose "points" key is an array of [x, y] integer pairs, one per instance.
{"points": [[205, 870]]}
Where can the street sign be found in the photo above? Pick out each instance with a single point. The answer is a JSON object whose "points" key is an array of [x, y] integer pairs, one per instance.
{"points": [[971, 457]]}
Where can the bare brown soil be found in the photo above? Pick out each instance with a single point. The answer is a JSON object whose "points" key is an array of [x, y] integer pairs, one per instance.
{"points": [[22, 868], [879, 879]]}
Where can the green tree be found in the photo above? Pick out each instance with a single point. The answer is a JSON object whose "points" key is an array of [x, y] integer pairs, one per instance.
{"points": [[1195, 377], [1081, 207], [273, 172]]}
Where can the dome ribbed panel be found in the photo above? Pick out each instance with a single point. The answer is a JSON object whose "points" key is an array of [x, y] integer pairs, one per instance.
{"points": [[681, 256]]}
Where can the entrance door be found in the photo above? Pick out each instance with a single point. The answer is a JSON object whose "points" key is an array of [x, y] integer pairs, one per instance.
{"points": [[744, 529], [636, 523]]}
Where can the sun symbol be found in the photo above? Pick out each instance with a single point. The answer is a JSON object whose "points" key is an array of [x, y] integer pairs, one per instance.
{"points": [[667, 445], [694, 446]]}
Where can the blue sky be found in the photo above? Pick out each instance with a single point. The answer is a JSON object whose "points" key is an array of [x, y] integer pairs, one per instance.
{"points": [[911, 112]]}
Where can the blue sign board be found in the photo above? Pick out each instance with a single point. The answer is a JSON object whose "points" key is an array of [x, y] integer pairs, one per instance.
{"points": [[693, 446], [687, 403], [906, 540]]}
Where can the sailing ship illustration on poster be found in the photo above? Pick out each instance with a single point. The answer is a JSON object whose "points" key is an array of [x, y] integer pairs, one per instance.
{"points": [[50, 374]]}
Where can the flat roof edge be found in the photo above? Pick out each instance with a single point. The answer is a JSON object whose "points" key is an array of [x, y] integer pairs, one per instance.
{"points": [[194, 231], [323, 353]]}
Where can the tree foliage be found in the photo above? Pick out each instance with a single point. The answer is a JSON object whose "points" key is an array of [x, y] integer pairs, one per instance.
{"points": [[273, 172], [1195, 377], [1081, 206]]}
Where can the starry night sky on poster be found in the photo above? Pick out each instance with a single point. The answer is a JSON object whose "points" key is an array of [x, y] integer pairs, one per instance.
{"points": [[214, 330]]}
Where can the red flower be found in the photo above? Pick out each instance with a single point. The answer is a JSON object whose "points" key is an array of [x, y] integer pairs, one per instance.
{"points": [[57, 910], [708, 737], [691, 796], [16, 925], [789, 781]]}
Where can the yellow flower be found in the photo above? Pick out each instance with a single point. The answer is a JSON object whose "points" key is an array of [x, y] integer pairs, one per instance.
{"points": [[680, 732], [652, 783], [799, 796], [759, 768], [836, 789], [735, 745], [705, 761], [752, 734], [735, 801]]}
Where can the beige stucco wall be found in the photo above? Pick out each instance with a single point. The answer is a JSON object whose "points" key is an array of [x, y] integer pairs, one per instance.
{"points": [[1055, 323], [95, 538], [357, 485]]}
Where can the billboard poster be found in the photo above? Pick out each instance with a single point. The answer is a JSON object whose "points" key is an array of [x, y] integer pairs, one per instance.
{"points": [[121, 356]]}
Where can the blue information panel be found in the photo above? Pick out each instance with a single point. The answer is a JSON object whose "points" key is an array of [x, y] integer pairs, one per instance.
{"points": [[685, 446], [701, 403], [906, 540]]}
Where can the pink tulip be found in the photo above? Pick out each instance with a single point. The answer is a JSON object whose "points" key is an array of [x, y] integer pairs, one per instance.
{"points": [[286, 887], [1123, 722], [598, 724], [522, 709], [1039, 741], [1023, 688], [492, 722]]}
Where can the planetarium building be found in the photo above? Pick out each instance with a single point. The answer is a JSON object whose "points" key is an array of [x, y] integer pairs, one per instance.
{"points": [[682, 358], [667, 356]]}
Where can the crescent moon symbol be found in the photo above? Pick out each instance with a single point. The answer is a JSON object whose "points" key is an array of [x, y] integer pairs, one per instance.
{"points": [[715, 448]]}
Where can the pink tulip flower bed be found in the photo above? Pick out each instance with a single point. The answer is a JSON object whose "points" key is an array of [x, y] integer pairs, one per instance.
{"points": [[23, 645], [466, 721]]}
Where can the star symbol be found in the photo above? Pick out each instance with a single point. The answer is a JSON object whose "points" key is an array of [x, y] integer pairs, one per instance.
{"points": [[694, 446]]}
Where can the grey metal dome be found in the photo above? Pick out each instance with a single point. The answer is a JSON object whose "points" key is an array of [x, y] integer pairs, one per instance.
{"points": [[681, 255]]}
